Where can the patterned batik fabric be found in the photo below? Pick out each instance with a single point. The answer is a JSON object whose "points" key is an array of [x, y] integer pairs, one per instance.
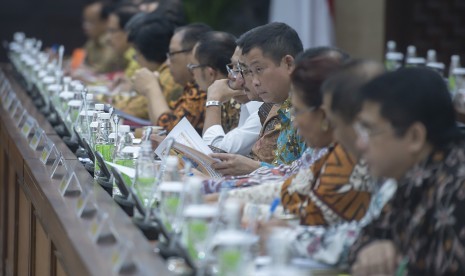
{"points": [[264, 149], [332, 190], [190, 105], [230, 112], [289, 145], [138, 105], [426, 217]]}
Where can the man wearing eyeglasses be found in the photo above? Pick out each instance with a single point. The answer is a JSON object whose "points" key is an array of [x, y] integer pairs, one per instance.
{"points": [[191, 104], [208, 63], [241, 139], [269, 53]]}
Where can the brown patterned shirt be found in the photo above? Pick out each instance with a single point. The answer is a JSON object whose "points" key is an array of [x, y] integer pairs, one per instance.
{"points": [[190, 105]]}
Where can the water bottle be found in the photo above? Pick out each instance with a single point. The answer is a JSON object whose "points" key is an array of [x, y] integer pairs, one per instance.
{"points": [[123, 156], [94, 125], [102, 143], [234, 246]]}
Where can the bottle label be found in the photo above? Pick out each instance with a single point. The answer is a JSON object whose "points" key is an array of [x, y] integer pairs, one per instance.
{"points": [[127, 163]]}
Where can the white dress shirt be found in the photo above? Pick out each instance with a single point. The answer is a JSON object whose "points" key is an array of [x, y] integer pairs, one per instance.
{"points": [[241, 139]]}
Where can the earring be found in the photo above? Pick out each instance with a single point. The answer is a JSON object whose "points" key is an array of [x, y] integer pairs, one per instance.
{"points": [[325, 125]]}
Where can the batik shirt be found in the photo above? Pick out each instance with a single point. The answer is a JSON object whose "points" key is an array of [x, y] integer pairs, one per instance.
{"points": [[190, 105], [290, 146], [263, 150], [102, 58], [138, 105], [426, 217], [334, 189], [230, 112], [331, 244]]}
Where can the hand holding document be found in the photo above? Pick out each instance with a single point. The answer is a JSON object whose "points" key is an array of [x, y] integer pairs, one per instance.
{"points": [[189, 146]]}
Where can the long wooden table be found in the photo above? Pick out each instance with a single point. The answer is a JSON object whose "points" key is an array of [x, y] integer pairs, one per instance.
{"points": [[40, 232]]}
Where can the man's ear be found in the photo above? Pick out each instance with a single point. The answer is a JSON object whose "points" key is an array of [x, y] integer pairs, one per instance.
{"points": [[416, 136], [211, 74], [289, 62]]}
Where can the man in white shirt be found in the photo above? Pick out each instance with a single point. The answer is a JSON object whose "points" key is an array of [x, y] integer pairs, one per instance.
{"points": [[241, 139]]}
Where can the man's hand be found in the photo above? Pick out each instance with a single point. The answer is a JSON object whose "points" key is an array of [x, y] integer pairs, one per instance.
{"points": [[234, 164], [377, 258], [220, 91], [144, 80]]}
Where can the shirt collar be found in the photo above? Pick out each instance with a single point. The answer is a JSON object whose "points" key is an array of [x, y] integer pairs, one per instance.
{"points": [[284, 111]]}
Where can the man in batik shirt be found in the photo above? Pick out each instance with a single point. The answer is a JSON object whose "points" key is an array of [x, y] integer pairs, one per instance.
{"points": [[407, 131], [191, 104]]}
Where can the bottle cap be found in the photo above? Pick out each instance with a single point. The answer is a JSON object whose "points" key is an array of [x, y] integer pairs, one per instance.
{"points": [[75, 103], [458, 71], [67, 79], [124, 128], [436, 65], [391, 45], [172, 161], [104, 116], [394, 56], [412, 50], [416, 60], [99, 107]]}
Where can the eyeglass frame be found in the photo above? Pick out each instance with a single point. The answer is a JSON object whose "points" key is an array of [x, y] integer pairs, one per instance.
{"points": [[234, 72], [246, 72], [192, 66], [366, 134], [171, 54], [294, 113]]}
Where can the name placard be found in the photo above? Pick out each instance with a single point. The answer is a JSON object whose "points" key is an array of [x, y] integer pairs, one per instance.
{"points": [[28, 126], [37, 138], [47, 150]]}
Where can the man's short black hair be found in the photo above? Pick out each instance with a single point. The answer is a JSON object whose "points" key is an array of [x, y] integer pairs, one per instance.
{"points": [[192, 34], [105, 9], [275, 40], [152, 39], [215, 50], [411, 95]]}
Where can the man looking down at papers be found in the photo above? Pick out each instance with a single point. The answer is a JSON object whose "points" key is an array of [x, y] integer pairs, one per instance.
{"points": [[269, 53]]}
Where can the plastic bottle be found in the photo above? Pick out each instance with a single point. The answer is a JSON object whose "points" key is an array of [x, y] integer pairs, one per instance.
{"points": [[123, 156], [102, 143]]}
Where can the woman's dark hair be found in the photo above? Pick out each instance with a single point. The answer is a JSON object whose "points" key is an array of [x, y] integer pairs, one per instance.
{"points": [[215, 50], [344, 86], [276, 40], [411, 95], [310, 73], [152, 39]]}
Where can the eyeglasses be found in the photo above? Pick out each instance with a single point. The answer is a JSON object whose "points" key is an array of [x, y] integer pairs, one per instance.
{"points": [[249, 73], [233, 72], [171, 54], [365, 133], [191, 66], [297, 112]]}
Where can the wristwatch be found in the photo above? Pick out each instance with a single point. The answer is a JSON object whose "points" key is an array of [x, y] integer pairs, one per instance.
{"points": [[213, 103]]}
